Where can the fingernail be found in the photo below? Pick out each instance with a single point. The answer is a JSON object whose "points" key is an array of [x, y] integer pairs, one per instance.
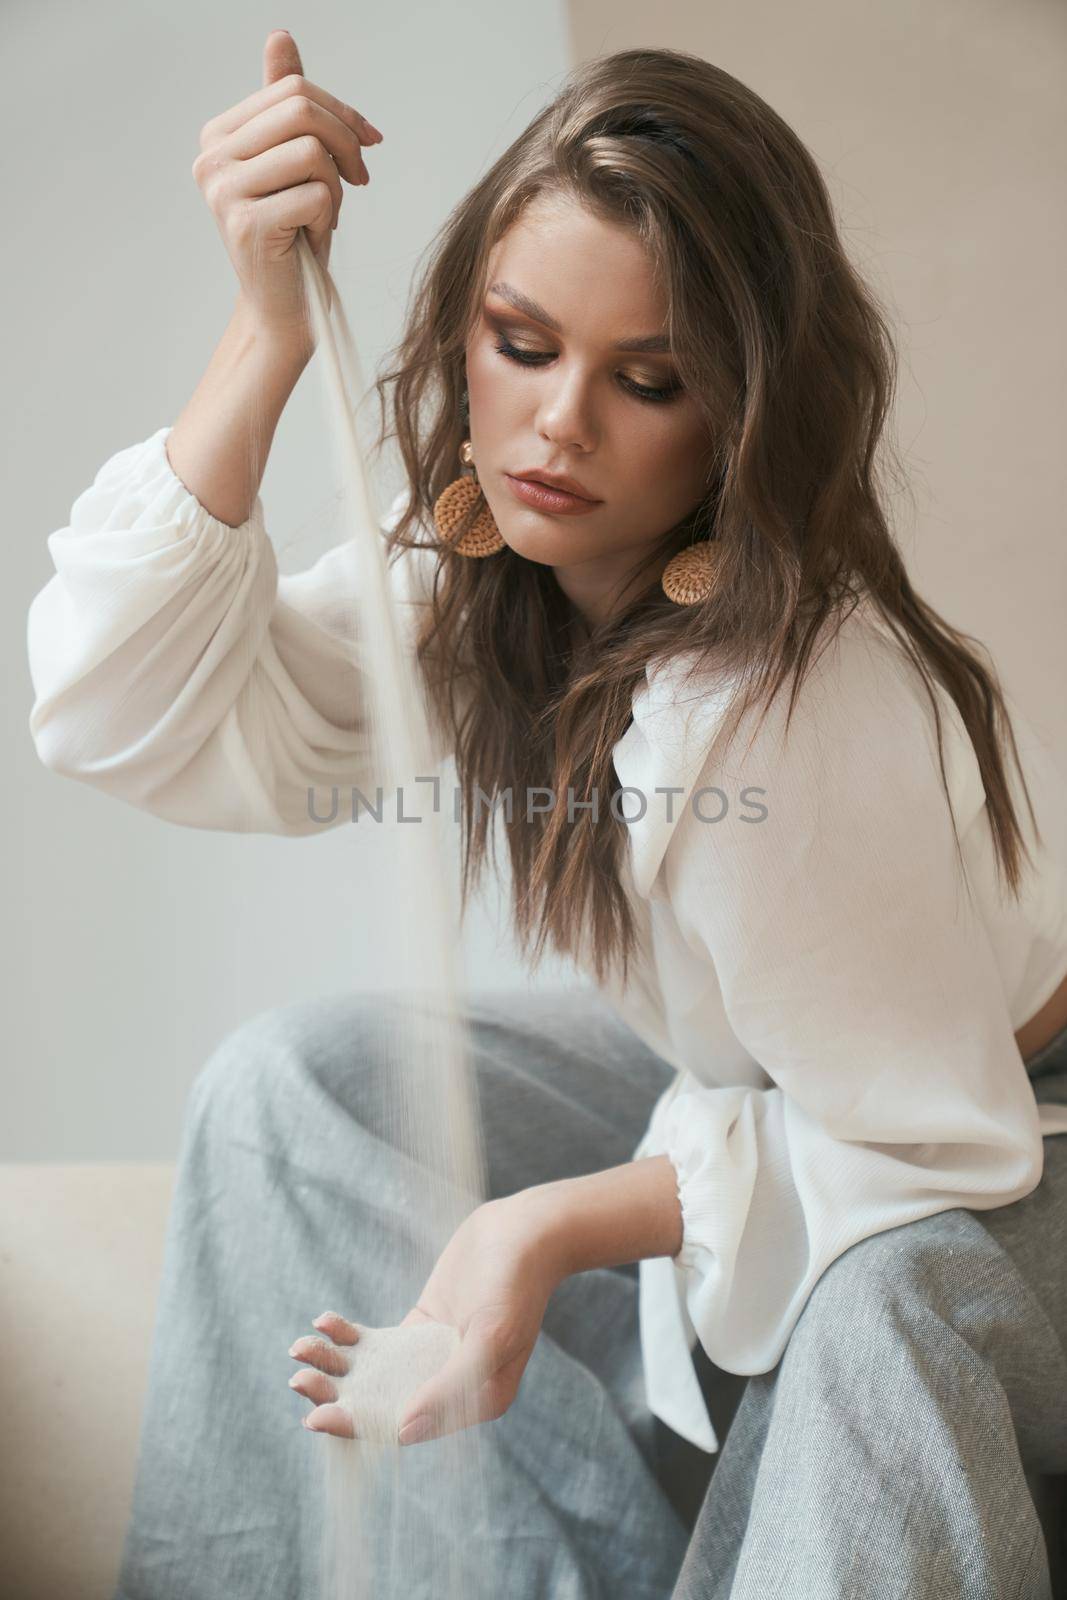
{"points": [[376, 131], [414, 1431], [294, 1380]]}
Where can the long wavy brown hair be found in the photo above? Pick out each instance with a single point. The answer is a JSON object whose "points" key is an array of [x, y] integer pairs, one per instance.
{"points": [[789, 354]]}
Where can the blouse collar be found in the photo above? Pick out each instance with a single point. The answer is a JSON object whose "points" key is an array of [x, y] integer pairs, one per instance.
{"points": [[665, 746]]}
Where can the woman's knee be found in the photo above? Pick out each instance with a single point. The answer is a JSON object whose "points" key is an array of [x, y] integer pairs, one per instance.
{"points": [[278, 1057], [918, 1286]]}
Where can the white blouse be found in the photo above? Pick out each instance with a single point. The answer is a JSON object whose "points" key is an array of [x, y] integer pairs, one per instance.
{"points": [[838, 999]]}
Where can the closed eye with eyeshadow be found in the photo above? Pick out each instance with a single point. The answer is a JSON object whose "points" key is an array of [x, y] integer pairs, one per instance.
{"points": [[537, 358]]}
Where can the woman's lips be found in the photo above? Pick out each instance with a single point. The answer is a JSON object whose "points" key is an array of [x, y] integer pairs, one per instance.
{"points": [[542, 498]]}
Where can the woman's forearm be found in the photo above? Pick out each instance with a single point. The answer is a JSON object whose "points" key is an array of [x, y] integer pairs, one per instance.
{"points": [[605, 1219], [219, 445]]}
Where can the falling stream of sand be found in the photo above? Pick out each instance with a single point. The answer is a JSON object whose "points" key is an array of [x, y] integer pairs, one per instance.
{"points": [[409, 1520]]}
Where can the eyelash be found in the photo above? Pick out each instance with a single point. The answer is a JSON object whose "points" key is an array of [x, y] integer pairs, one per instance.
{"points": [[532, 358]]}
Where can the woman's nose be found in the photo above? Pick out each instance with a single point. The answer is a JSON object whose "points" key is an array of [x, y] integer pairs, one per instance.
{"points": [[566, 417]]}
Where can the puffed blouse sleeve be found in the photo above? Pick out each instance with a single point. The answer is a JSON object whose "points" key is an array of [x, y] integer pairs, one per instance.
{"points": [[174, 668], [856, 970]]}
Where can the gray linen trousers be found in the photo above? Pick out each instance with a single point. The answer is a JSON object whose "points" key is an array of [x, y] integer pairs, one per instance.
{"points": [[886, 1455]]}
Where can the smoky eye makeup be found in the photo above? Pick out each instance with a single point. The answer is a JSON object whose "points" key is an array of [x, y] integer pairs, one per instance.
{"points": [[505, 331], [503, 325]]}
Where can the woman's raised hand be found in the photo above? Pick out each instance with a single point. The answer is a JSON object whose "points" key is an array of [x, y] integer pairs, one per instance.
{"points": [[273, 164]]}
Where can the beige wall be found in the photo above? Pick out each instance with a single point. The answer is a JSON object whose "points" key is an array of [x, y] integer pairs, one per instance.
{"points": [[941, 127], [130, 946]]}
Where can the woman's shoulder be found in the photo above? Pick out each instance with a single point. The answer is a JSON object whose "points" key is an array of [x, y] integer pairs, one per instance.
{"points": [[859, 682], [855, 673], [861, 703]]}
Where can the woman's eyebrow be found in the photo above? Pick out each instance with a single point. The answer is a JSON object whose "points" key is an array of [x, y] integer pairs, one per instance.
{"points": [[648, 344]]}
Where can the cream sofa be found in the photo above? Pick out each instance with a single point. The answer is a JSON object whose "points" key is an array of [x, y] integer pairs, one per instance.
{"points": [[80, 1253]]}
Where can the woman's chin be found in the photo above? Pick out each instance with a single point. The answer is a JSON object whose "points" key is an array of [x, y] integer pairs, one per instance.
{"points": [[538, 538], [533, 545]]}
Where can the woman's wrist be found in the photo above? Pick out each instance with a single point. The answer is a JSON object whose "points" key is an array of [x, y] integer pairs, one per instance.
{"points": [[220, 441], [602, 1219], [286, 343]]}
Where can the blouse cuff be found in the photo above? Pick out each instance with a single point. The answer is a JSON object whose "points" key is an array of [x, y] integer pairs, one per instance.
{"points": [[710, 1138], [139, 498]]}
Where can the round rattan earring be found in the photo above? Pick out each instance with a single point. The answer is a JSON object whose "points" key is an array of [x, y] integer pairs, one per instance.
{"points": [[483, 537], [689, 575]]}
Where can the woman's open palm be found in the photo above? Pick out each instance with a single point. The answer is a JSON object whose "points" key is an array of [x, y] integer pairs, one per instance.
{"points": [[491, 1283]]}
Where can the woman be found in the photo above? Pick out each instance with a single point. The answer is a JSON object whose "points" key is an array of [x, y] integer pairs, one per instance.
{"points": [[831, 970]]}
